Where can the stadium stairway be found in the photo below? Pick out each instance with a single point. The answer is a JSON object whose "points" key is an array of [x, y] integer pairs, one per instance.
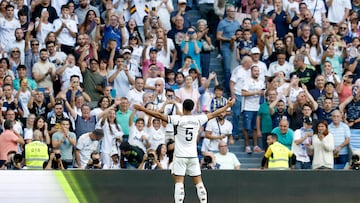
{"points": [[247, 161]]}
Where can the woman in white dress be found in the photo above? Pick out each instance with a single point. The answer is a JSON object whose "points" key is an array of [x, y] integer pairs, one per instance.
{"points": [[323, 147], [112, 133]]}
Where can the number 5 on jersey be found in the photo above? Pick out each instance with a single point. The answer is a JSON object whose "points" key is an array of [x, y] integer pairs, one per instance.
{"points": [[189, 134]]}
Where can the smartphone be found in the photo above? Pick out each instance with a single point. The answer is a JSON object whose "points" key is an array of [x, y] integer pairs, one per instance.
{"points": [[113, 92], [41, 89]]}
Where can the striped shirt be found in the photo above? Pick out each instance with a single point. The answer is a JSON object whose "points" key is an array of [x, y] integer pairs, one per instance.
{"points": [[340, 133]]}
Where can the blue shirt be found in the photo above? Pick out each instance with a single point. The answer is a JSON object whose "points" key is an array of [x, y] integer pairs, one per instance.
{"points": [[228, 28], [191, 52], [123, 120], [285, 139], [187, 21], [323, 115], [340, 134], [299, 41], [111, 32], [282, 27]]}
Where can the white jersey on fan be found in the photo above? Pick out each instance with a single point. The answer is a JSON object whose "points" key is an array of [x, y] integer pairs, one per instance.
{"points": [[187, 130]]}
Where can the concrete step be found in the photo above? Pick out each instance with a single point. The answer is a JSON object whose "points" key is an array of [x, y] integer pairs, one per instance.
{"points": [[246, 166], [193, 14], [250, 160], [257, 155]]}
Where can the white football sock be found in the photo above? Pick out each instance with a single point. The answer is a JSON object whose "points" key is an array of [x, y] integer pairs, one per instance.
{"points": [[201, 192], [179, 193]]}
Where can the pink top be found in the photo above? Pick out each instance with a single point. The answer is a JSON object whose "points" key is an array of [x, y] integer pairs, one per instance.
{"points": [[345, 93], [8, 142], [194, 95], [147, 63]]}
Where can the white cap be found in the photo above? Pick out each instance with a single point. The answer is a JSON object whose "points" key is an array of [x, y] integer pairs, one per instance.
{"points": [[255, 50], [181, 1], [126, 51]]}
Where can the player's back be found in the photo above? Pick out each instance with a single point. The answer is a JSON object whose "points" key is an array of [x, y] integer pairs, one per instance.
{"points": [[187, 129]]}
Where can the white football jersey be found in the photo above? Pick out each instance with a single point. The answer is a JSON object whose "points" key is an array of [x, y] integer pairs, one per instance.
{"points": [[186, 132]]}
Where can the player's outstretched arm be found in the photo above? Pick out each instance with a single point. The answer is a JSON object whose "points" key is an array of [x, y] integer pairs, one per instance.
{"points": [[216, 113], [151, 112]]}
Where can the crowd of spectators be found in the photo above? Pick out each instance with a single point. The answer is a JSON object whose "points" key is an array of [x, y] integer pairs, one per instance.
{"points": [[70, 72]]}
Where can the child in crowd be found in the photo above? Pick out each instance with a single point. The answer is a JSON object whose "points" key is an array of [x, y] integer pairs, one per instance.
{"points": [[245, 45], [138, 135], [156, 132], [219, 100]]}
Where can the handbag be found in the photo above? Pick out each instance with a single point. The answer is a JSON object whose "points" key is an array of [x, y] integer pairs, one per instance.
{"points": [[206, 46]]}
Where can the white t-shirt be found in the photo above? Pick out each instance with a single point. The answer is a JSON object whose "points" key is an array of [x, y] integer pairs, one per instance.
{"points": [[136, 54], [165, 163], [293, 7], [133, 67], [65, 77], [169, 110], [86, 146], [227, 162], [121, 82], [238, 75], [188, 127], [294, 93], [336, 11], [162, 55], [205, 100], [44, 31], [109, 138], [318, 11], [135, 97], [263, 69], [58, 55], [135, 137], [252, 103], [24, 98], [42, 68], [156, 137], [300, 150], [28, 133], [64, 37], [274, 67], [7, 31], [96, 111], [213, 125], [151, 81], [19, 44]]}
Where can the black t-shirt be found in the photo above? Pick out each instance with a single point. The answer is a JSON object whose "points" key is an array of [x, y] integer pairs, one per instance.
{"points": [[307, 77], [135, 157], [40, 110]]}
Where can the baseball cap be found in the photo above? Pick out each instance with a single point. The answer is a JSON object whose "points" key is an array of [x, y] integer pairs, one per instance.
{"points": [[255, 50], [127, 51], [153, 49], [307, 120], [181, 1]]}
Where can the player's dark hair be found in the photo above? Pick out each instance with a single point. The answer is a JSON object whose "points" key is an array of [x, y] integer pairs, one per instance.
{"points": [[188, 105]]}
